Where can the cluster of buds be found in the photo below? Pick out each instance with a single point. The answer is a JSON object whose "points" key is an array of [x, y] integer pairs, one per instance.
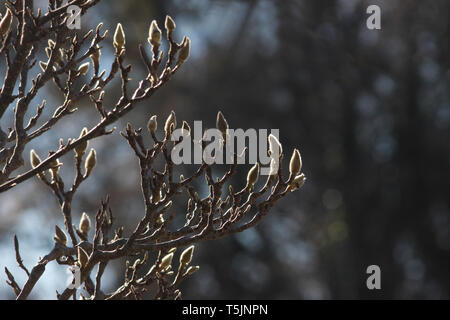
{"points": [[35, 161]]}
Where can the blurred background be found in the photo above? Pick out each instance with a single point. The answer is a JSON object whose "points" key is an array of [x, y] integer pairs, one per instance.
{"points": [[368, 109]]}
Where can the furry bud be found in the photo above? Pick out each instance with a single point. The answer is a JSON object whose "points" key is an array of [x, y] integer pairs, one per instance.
{"points": [[252, 176], [119, 38], [222, 124], [95, 57], [90, 163], [166, 261], [60, 237], [191, 270], [186, 129], [295, 164], [171, 124], [183, 55], [274, 146], [154, 34], [83, 69], [80, 150], [85, 223], [186, 256], [170, 26], [152, 124], [34, 159], [298, 182]]}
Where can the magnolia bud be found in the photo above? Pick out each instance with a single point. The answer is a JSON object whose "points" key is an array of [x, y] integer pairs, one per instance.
{"points": [[170, 24], [90, 162], [95, 57], [85, 223], [119, 38], [184, 51], [83, 69], [296, 163], [54, 168], [43, 65], [191, 270], [5, 23], [82, 257], [186, 256], [171, 123], [252, 176], [80, 149], [298, 181], [152, 124], [274, 146], [166, 261], [222, 124], [154, 34], [34, 159], [186, 128], [60, 237]]}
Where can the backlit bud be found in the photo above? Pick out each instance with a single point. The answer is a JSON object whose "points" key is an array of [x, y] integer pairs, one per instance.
{"points": [[83, 69], [95, 57], [186, 256], [80, 149], [222, 124], [295, 164], [34, 159], [252, 176], [152, 124], [170, 25], [275, 147], [90, 163], [85, 223], [183, 55], [119, 38], [166, 261], [186, 129], [154, 34], [171, 124], [191, 270], [298, 182], [60, 237]]}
